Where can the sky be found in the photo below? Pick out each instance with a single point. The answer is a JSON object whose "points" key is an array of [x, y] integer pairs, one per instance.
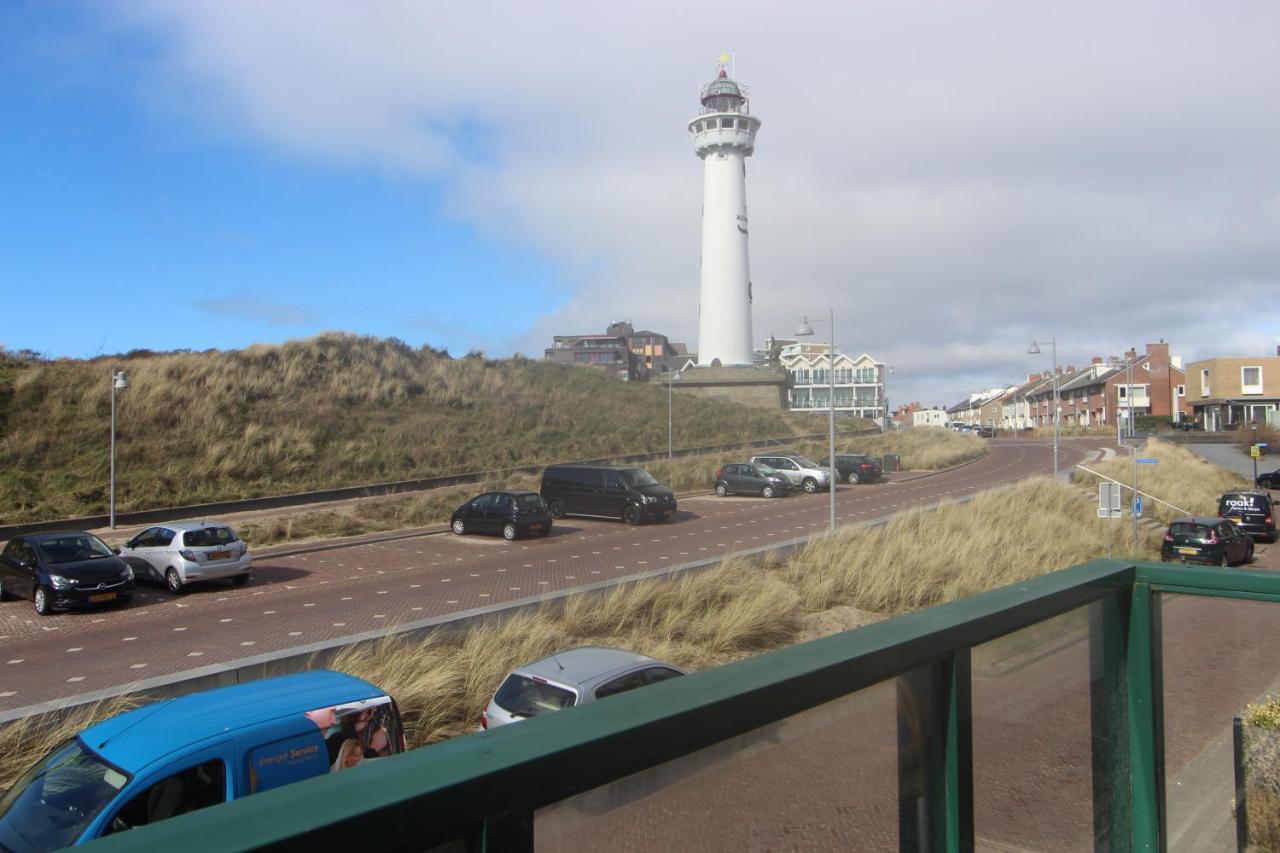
{"points": [[954, 180]]}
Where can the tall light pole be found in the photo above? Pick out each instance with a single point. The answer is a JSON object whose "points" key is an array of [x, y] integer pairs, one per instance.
{"points": [[672, 376], [1034, 349], [119, 382], [803, 330]]}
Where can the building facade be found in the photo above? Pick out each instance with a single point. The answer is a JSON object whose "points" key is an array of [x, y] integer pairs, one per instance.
{"points": [[621, 351], [929, 418], [1228, 391], [859, 382]]}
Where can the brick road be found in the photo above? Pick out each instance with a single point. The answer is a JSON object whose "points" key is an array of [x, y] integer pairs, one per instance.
{"points": [[293, 601]]}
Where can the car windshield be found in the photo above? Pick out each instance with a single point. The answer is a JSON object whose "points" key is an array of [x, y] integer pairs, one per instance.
{"points": [[72, 548], [1187, 530], [208, 536], [52, 804], [805, 463], [1242, 503], [522, 696], [531, 503], [638, 477], [765, 469]]}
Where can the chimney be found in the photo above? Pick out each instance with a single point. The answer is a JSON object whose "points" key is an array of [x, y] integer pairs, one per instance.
{"points": [[1097, 359], [1035, 377], [1131, 353]]}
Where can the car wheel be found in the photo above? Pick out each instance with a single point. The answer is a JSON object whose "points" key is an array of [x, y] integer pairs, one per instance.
{"points": [[44, 604], [1248, 557], [240, 580], [173, 581], [1224, 562], [767, 491], [631, 515], [721, 490], [557, 508], [509, 531], [854, 479], [810, 485], [459, 526]]}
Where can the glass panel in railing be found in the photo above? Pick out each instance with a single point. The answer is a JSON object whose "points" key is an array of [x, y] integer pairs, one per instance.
{"points": [[1220, 658], [1033, 737], [823, 779]]}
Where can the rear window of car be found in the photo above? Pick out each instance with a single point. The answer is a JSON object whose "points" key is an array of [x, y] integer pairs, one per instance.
{"points": [[530, 502], [1189, 531], [208, 536], [1242, 503], [529, 697]]}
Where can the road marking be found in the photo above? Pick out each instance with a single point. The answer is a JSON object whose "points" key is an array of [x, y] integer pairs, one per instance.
{"points": [[295, 633], [224, 620], [137, 665], [17, 660], [312, 604], [76, 649], [247, 643], [6, 694], [76, 678], [128, 639], [339, 624], [484, 595], [414, 585], [194, 654], [379, 616], [571, 577], [384, 592]]}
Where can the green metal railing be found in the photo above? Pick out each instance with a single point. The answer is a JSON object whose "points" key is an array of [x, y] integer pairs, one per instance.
{"points": [[481, 791]]}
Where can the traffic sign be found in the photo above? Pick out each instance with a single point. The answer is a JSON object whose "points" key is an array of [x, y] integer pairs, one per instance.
{"points": [[1108, 499], [1137, 505], [1255, 451], [1148, 461]]}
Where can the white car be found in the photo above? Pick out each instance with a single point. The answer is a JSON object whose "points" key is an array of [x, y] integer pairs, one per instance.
{"points": [[802, 472], [183, 552]]}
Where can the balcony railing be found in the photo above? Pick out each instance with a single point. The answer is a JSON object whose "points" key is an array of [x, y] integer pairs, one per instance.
{"points": [[1030, 717]]}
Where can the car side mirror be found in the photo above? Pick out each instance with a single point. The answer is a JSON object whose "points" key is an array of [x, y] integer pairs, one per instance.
{"points": [[115, 551]]}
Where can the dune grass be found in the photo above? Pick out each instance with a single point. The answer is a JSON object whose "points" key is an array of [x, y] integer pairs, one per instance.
{"points": [[24, 742], [321, 412]]}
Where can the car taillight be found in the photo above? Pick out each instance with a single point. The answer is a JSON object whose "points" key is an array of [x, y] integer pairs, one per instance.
{"points": [[189, 555], [1168, 538], [719, 473], [1213, 539], [1267, 520], [484, 720], [865, 466]]}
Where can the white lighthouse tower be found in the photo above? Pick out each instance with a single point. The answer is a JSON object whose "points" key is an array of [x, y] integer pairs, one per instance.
{"points": [[724, 135]]}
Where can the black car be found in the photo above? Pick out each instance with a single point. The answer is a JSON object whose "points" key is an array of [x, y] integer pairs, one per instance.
{"points": [[856, 468], [510, 513], [747, 479], [607, 491], [1252, 512], [1268, 481], [63, 569], [1207, 540]]}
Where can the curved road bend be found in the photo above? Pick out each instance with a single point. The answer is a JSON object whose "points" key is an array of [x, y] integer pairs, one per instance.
{"points": [[309, 598]]}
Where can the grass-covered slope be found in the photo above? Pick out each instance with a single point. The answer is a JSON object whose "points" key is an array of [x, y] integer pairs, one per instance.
{"points": [[327, 411]]}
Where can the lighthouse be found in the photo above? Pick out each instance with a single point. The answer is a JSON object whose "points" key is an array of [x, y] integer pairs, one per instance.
{"points": [[724, 136]]}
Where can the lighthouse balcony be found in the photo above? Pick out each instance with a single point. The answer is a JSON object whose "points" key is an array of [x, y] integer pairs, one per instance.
{"points": [[713, 131]]}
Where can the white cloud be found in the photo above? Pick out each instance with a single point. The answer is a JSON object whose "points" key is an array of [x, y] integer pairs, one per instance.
{"points": [[953, 178]]}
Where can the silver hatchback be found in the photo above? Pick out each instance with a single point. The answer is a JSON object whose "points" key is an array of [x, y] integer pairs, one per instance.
{"points": [[183, 552], [572, 678]]}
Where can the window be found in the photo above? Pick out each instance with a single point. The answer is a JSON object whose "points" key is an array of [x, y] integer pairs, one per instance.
{"points": [[1122, 389], [1204, 382], [1251, 380], [207, 536], [802, 376], [195, 788], [820, 376], [726, 123], [1182, 390], [621, 684]]}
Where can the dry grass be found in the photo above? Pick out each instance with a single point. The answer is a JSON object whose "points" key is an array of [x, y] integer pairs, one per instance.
{"points": [[24, 742], [1180, 478]]}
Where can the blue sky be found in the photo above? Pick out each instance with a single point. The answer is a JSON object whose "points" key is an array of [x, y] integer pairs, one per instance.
{"points": [[953, 180], [127, 224]]}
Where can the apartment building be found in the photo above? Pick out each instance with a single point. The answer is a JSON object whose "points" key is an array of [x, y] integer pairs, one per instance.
{"points": [[621, 351], [929, 417], [1227, 391], [859, 382], [1109, 391]]}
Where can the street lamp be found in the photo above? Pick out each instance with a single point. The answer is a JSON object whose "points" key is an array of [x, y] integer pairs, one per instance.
{"points": [[119, 382], [672, 376], [804, 330], [1034, 349], [1253, 451]]}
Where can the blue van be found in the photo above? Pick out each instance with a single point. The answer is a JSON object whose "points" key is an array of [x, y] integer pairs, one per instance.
{"points": [[180, 755]]}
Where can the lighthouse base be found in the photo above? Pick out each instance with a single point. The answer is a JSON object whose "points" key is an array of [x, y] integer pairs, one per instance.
{"points": [[757, 387]]}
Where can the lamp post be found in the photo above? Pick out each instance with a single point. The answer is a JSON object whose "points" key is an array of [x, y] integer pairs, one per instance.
{"points": [[1034, 349], [803, 330], [1253, 451], [672, 376], [119, 382]]}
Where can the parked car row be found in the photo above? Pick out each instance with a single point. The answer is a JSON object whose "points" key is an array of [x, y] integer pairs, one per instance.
{"points": [[1243, 517], [180, 755]]}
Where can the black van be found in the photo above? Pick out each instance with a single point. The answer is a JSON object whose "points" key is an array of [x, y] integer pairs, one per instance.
{"points": [[606, 491], [1251, 511]]}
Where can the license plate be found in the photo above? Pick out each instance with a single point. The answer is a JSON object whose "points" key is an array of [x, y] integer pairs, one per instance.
{"points": [[1236, 520], [102, 596], [219, 555], [1188, 550], [535, 526]]}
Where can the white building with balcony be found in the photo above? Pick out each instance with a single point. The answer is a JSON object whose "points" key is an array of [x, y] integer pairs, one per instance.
{"points": [[859, 382]]}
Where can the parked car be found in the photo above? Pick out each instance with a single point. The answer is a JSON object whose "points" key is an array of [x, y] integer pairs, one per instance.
{"points": [[1206, 540], [63, 569], [569, 678], [1251, 511], [856, 468], [181, 553], [802, 472], [180, 755], [748, 479], [512, 514], [1269, 481], [606, 491], [986, 432]]}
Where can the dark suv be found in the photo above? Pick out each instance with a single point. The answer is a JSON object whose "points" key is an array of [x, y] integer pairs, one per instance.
{"points": [[856, 468], [606, 491], [1207, 540], [1251, 511], [747, 479]]}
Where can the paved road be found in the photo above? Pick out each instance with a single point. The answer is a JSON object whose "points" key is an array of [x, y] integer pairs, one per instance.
{"points": [[308, 598]]}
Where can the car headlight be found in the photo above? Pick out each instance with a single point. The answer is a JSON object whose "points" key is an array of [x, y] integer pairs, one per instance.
{"points": [[59, 582], [650, 499], [128, 572]]}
